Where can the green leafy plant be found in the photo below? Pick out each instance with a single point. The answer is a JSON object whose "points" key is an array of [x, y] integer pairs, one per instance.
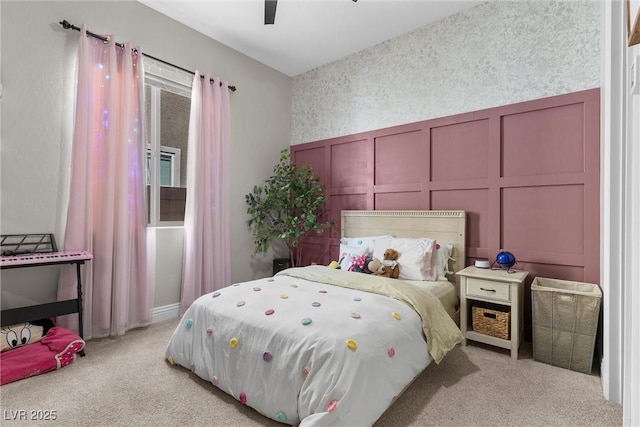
{"points": [[290, 204]]}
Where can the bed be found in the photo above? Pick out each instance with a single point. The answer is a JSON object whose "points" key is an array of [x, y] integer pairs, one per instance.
{"points": [[322, 346]]}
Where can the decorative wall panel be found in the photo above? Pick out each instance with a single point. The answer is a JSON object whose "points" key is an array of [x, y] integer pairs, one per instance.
{"points": [[475, 202], [345, 159], [544, 141], [464, 144], [399, 158], [544, 219], [527, 175], [339, 203], [316, 159], [406, 200]]}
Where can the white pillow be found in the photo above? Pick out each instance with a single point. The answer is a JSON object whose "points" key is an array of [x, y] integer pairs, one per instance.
{"points": [[444, 254], [417, 257], [347, 253], [352, 246], [362, 241]]}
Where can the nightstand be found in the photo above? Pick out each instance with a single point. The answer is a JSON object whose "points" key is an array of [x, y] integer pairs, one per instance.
{"points": [[498, 287]]}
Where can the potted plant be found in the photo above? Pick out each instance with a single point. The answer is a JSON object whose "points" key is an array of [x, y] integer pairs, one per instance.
{"points": [[290, 204]]}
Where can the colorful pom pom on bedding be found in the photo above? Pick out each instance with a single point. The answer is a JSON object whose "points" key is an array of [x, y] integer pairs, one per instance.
{"points": [[305, 372]]}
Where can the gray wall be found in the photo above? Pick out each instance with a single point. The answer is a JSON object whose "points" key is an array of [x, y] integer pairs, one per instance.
{"points": [[497, 53], [37, 72]]}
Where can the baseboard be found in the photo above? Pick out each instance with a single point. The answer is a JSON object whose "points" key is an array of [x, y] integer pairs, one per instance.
{"points": [[166, 312]]}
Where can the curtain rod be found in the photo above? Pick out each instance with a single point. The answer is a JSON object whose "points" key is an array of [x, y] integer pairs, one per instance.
{"points": [[66, 25]]}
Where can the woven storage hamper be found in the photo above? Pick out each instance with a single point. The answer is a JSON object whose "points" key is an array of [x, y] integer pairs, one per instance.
{"points": [[491, 321], [565, 322]]}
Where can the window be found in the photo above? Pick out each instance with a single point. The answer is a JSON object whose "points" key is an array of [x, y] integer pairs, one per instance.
{"points": [[167, 106], [169, 166]]}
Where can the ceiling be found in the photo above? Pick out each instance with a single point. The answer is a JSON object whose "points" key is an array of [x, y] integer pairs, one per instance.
{"points": [[306, 33]]}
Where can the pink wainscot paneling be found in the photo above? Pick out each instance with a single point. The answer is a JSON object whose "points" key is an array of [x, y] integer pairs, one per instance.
{"points": [[544, 224], [399, 158], [527, 174], [406, 200], [400, 168], [314, 253], [544, 141], [348, 165], [475, 204], [460, 151], [345, 202], [314, 157]]}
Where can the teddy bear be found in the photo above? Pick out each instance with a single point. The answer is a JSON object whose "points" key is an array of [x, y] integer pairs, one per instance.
{"points": [[390, 264], [366, 264]]}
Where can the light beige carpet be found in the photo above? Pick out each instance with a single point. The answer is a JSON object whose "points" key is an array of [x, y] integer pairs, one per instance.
{"points": [[125, 381]]}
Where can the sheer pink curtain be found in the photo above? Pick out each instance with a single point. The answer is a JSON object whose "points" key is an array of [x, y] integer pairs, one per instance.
{"points": [[207, 259], [106, 212]]}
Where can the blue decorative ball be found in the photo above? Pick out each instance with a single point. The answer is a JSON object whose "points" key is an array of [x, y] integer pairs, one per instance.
{"points": [[505, 260]]}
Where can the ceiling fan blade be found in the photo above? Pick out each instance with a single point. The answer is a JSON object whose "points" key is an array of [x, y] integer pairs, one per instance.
{"points": [[270, 11]]}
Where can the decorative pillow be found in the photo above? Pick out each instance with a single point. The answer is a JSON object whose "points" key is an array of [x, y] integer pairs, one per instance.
{"points": [[347, 253], [417, 257], [362, 241], [21, 334], [444, 255]]}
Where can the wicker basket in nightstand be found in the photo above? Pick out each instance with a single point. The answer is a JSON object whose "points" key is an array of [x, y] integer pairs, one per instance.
{"points": [[489, 321]]}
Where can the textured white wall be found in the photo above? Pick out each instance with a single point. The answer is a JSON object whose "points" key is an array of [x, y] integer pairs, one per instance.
{"points": [[497, 53]]}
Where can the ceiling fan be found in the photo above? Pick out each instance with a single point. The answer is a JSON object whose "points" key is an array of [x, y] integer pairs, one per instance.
{"points": [[270, 11]]}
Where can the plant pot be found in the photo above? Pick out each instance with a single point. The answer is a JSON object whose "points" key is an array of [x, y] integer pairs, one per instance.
{"points": [[280, 264]]}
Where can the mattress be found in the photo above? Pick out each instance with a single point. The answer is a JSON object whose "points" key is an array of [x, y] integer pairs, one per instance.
{"points": [[444, 290]]}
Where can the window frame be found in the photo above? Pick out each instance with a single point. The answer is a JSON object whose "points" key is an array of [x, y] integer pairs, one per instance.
{"points": [[158, 79], [176, 158]]}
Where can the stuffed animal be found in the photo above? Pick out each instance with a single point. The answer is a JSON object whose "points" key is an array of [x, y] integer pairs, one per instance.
{"points": [[375, 267], [366, 264], [334, 264], [390, 264]]}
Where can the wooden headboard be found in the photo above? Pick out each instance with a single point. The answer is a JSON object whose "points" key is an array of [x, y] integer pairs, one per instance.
{"points": [[441, 226]]}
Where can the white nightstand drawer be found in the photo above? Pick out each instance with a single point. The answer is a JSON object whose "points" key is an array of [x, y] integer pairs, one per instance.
{"points": [[488, 289]]}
